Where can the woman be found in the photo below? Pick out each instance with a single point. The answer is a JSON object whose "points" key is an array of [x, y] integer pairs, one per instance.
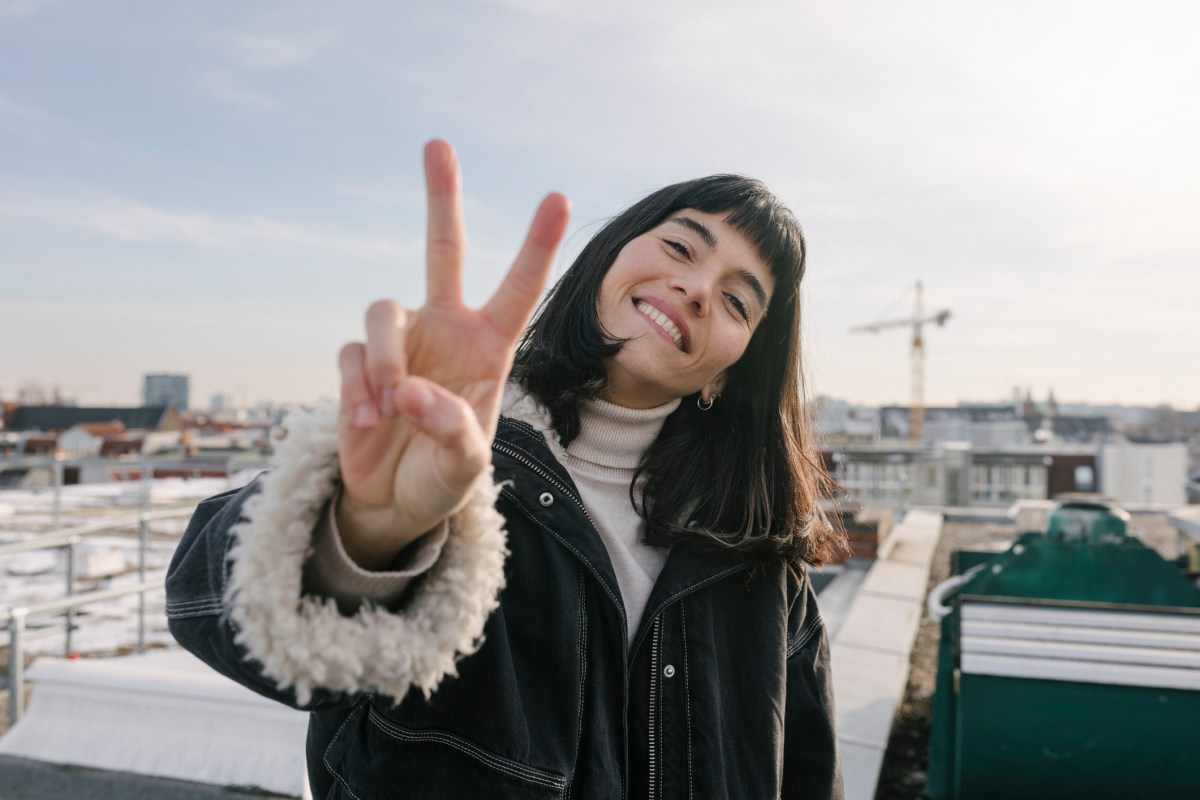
{"points": [[642, 492]]}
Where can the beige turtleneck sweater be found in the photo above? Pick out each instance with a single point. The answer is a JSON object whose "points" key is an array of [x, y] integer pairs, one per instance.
{"points": [[601, 461]]}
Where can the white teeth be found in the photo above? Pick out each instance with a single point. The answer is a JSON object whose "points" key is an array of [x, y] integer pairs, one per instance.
{"points": [[663, 321]]}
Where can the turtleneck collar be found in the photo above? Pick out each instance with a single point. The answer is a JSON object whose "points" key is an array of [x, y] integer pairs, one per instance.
{"points": [[616, 437]]}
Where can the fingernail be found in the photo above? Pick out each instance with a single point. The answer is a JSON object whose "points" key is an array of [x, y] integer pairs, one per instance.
{"points": [[365, 415], [387, 403]]}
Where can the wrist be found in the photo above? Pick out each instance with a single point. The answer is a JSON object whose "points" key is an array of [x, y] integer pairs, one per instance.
{"points": [[372, 536]]}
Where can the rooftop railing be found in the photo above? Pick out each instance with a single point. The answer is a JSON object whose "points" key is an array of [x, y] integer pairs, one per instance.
{"points": [[16, 618]]}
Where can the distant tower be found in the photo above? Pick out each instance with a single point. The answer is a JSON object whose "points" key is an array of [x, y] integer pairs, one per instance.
{"points": [[166, 390], [1030, 408]]}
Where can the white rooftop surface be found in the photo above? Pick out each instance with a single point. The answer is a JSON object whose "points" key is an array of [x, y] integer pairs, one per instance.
{"points": [[871, 647], [1187, 521], [164, 713]]}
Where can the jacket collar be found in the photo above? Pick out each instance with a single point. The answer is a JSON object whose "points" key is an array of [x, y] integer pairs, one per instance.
{"points": [[523, 458], [542, 488]]}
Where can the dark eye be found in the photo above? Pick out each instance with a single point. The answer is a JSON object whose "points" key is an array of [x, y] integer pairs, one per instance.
{"points": [[679, 248], [739, 306]]}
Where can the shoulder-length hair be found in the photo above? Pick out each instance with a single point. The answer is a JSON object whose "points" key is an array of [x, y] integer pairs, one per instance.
{"points": [[744, 474]]}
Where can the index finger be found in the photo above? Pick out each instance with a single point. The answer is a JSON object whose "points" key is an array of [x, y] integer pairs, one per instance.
{"points": [[513, 303], [445, 238]]}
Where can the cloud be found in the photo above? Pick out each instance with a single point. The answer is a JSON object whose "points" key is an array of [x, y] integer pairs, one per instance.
{"points": [[224, 86], [24, 121], [24, 8], [250, 53], [386, 197], [11, 110], [121, 219], [276, 52]]}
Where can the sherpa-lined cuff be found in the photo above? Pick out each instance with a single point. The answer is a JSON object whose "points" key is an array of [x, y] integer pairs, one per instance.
{"points": [[303, 642], [330, 572]]}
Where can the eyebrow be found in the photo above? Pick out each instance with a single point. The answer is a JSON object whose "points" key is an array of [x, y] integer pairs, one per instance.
{"points": [[699, 228], [751, 280], [744, 275]]}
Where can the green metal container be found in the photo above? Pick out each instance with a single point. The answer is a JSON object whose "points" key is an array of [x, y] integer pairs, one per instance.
{"points": [[1069, 667]]}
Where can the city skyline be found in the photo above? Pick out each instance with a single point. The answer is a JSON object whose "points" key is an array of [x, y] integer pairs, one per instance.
{"points": [[225, 399], [222, 193]]}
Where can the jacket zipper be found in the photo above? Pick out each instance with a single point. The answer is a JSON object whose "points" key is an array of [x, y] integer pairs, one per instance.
{"points": [[518, 456], [653, 702], [544, 474], [511, 453]]}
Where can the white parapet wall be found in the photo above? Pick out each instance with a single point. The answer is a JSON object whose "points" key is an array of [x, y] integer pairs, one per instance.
{"points": [[1144, 473], [871, 648], [165, 714]]}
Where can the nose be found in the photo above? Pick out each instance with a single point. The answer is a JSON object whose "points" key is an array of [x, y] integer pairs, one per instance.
{"points": [[696, 286]]}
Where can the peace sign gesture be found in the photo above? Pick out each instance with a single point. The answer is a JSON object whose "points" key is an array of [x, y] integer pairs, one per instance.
{"points": [[420, 399]]}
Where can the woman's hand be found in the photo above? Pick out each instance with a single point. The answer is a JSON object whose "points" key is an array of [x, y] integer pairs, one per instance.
{"points": [[420, 398]]}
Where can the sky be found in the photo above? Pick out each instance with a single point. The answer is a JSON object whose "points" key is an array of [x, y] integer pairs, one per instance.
{"points": [[220, 189]]}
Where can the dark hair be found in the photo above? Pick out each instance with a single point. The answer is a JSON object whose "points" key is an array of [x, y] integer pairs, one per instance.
{"points": [[742, 475]]}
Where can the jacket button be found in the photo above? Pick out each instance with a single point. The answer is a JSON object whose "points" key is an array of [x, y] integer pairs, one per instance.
{"points": [[669, 671], [546, 499]]}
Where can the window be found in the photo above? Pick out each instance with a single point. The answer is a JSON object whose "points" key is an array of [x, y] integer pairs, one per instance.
{"points": [[1084, 478]]}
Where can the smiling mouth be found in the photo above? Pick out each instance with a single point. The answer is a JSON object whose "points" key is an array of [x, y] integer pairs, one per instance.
{"points": [[661, 320]]}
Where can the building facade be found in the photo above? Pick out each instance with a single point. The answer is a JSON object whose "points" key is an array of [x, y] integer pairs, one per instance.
{"points": [[166, 390], [957, 475]]}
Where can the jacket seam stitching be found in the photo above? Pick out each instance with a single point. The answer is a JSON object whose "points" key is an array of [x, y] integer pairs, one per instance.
{"points": [[687, 700], [516, 501], [498, 763], [214, 611], [583, 632], [520, 423], [806, 635], [197, 603], [693, 587], [336, 737]]}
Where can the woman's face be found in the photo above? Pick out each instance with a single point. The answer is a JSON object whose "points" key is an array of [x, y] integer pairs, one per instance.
{"points": [[686, 297]]}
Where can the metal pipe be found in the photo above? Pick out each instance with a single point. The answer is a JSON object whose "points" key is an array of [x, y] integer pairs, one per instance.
{"points": [[53, 607], [147, 475], [61, 538], [144, 508], [16, 665], [57, 470], [938, 610], [72, 546], [143, 541]]}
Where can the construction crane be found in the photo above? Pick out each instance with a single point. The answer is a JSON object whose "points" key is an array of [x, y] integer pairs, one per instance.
{"points": [[916, 411]]}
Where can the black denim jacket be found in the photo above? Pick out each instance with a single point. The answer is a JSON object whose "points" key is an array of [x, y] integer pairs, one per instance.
{"points": [[724, 693]]}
